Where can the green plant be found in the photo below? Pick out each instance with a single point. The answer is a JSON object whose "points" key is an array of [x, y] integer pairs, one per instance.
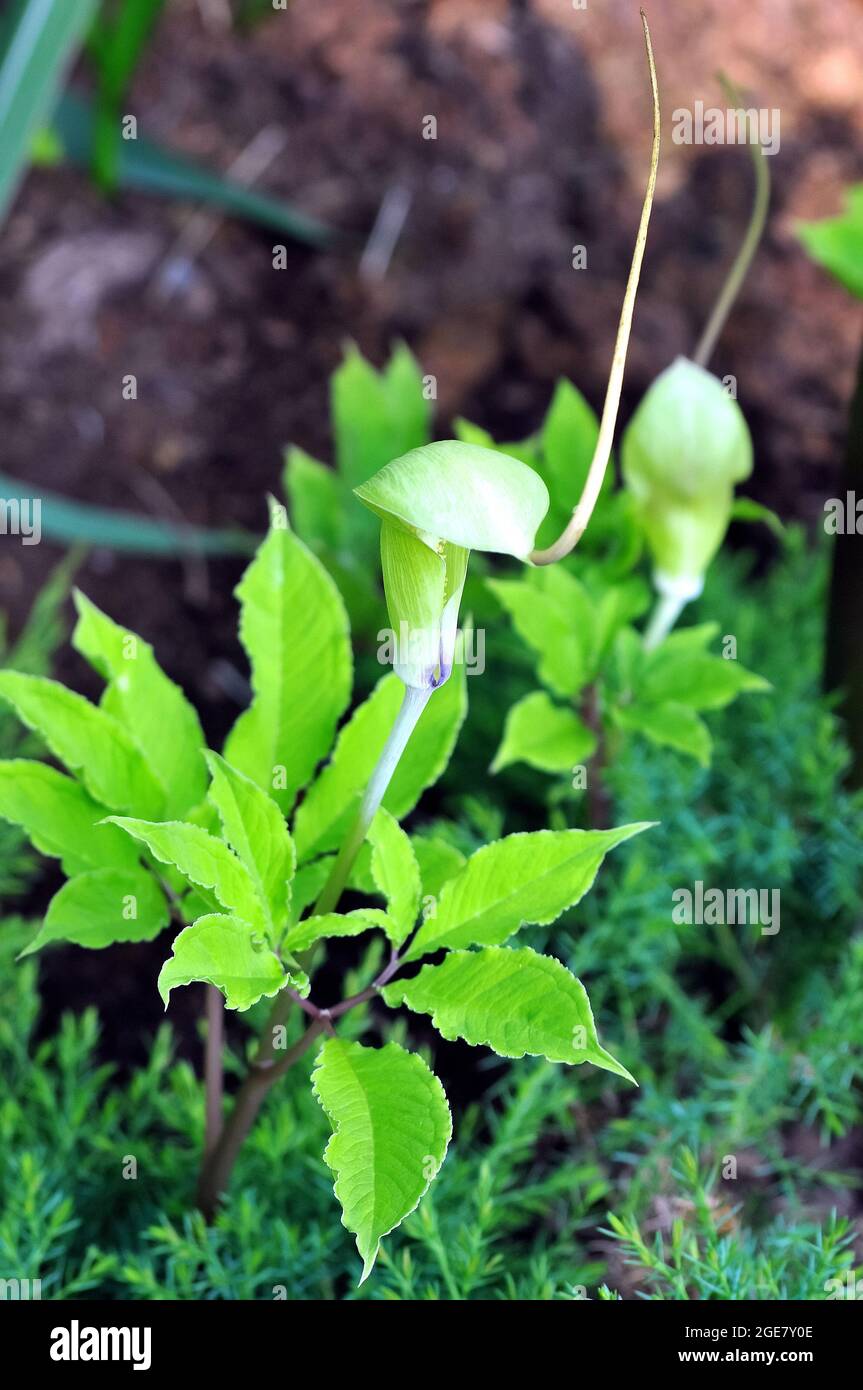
{"points": [[725, 1067], [130, 827], [600, 682], [32, 652], [221, 858], [375, 417], [683, 451]]}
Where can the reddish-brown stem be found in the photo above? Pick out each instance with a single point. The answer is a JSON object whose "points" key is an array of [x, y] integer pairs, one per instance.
{"points": [[213, 1068], [598, 801], [264, 1071], [259, 1078]]}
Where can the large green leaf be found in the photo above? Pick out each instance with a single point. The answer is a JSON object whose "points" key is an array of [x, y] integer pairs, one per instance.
{"points": [[552, 612], [103, 906], [317, 497], [514, 1001], [153, 710], [695, 679], [395, 873], [545, 735], [670, 725], [524, 878], [391, 1128], [438, 861], [308, 883], [377, 416], [329, 805], [224, 952], [39, 40], [61, 818], [255, 829], [89, 741], [295, 631], [203, 860], [566, 443]]}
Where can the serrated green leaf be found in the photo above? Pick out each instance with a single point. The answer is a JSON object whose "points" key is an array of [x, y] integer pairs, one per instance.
{"points": [[307, 884], [438, 861], [317, 498], [513, 1001], [567, 442], [376, 416], [683, 641], [621, 603], [670, 725], [328, 807], [544, 735], [391, 1128], [61, 818], [225, 952], [87, 740], [524, 878], [154, 711], [695, 679], [255, 829], [204, 860], [304, 934], [294, 628], [395, 873], [103, 906], [553, 613]]}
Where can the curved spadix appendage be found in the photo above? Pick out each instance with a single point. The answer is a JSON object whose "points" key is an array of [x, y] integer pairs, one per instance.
{"points": [[436, 504], [582, 513]]}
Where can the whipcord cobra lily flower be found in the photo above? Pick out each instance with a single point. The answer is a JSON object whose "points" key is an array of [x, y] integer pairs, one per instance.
{"points": [[436, 505], [684, 450]]}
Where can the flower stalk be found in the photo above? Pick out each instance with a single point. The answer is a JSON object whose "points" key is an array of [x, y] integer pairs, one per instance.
{"points": [[583, 511], [414, 702]]}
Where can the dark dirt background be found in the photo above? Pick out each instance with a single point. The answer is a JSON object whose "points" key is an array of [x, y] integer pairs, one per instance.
{"points": [[543, 142]]}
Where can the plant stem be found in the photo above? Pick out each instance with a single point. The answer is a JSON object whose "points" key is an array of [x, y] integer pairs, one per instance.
{"points": [[413, 704], [213, 1068], [665, 614], [261, 1074], [743, 260], [581, 515], [673, 594], [267, 1067], [598, 800]]}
